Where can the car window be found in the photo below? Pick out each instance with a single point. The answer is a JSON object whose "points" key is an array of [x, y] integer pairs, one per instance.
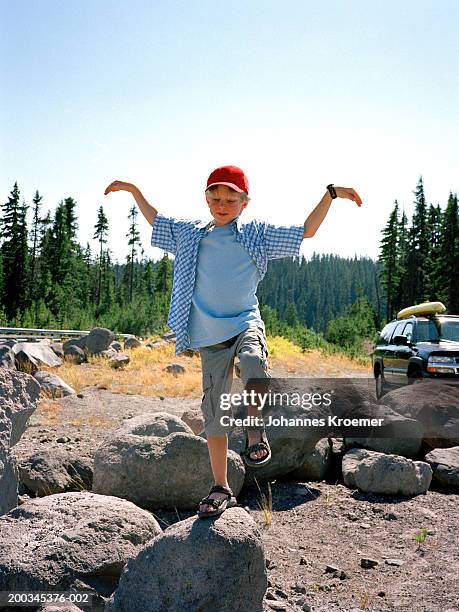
{"points": [[386, 332], [408, 331], [449, 330], [426, 331], [398, 329]]}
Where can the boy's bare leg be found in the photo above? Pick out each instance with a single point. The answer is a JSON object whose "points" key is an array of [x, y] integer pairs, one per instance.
{"points": [[218, 452]]}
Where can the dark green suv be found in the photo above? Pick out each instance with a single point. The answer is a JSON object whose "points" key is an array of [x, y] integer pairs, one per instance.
{"points": [[416, 347]]}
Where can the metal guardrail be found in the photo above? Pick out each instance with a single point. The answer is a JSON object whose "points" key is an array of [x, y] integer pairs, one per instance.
{"points": [[23, 334]]}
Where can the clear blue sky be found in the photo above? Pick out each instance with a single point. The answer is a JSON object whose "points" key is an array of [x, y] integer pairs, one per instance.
{"points": [[297, 93]]}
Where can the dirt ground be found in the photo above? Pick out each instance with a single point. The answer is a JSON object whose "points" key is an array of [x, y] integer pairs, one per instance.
{"points": [[319, 524], [412, 543]]}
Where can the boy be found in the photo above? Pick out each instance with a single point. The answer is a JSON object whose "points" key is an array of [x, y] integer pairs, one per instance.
{"points": [[214, 308]]}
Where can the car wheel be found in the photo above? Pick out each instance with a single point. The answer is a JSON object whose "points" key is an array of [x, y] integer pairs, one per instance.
{"points": [[414, 376], [381, 388]]}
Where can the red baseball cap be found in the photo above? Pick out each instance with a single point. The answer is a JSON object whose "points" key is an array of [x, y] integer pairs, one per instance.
{"points": [[231, 176]]}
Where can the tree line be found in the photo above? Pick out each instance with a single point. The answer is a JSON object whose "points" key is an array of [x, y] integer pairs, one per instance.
{"points": [[315, 291], [420, 259], [48, 280]]}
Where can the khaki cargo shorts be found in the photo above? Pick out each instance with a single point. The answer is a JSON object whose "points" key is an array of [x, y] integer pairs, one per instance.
{"points": [[217, 373]]}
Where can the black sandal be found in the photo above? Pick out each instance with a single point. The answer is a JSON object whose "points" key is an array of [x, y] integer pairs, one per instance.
{"points": [[262, 445], [219, 505]]}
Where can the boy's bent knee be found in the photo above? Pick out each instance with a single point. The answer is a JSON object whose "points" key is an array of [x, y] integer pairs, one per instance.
{"points": [[252, 366]]}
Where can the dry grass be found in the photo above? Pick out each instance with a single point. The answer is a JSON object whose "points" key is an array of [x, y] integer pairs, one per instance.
{"points": [[145, 374], [329, 498], [363, 599], [49, 412], [265, 503], [313, 362]]}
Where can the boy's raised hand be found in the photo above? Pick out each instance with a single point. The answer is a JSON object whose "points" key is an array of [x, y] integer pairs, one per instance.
{"points": [[349, 193], [119, 186]]}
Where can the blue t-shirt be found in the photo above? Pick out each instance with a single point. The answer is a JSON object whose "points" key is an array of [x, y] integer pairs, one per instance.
{"points": [[224, 301]]}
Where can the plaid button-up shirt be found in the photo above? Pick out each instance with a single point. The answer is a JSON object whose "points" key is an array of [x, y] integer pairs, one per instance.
{"points": [[181, 237]]}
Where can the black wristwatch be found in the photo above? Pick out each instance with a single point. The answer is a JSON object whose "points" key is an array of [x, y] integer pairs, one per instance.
{"points": [[331, 191]]}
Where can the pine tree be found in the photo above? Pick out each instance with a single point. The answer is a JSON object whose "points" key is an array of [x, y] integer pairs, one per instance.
{"points": [[81, 280], [2, 291], [100, 235], [403, 250], [133, 241], [35, 232], [448, 264], [108, 285], [359, 322], [71, 222], [61, 266], [390, 275], [44, 224], [14, 250], [291, 316], [418, 247], [59, 247], [149, 281], [22, 260], [164, 276], [432, 284]]}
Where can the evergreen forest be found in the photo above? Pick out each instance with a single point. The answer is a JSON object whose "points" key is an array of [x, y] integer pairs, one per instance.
{"points": [[49, 280]]}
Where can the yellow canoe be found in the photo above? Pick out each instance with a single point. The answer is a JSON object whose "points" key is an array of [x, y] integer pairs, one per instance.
{"points": [[426, 308]]}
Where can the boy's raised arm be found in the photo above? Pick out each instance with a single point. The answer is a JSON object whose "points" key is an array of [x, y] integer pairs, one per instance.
{"points": [[148, 211], [314, 220]]}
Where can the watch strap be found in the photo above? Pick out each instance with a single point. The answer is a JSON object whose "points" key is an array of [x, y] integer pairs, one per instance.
{"points": [[331, 191]]}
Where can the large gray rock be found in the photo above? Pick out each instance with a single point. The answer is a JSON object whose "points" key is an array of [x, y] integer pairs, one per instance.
{"points": [[349, 398], [68, 539], [315, 465], [289, 452], [8, 469], [156, 461], [110, 353], [131, 342], [355, 398], [194, 419], [119, 360], [196, 565], [434, 405], [11, 342], [374, 472], [48, 472], [398, 435], [79, 342], [175, 369], [445, 465], [19, 395], [74, 354], [53, 385], [290, 444], [31, 356], [57, 348], [155, 344], [98, 340], [7, 357]]}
